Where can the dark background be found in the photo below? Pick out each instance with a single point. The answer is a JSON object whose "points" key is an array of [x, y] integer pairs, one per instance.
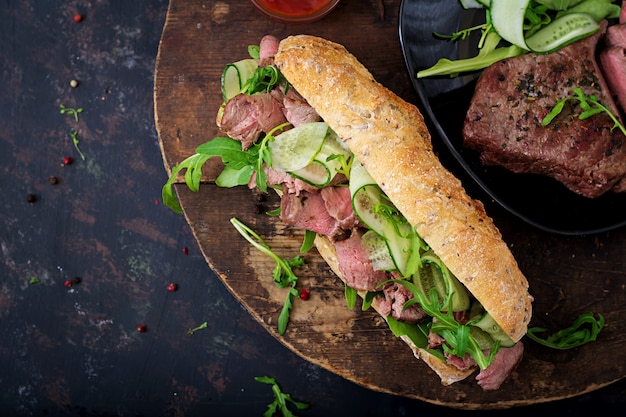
{"points": [[76, 351]]}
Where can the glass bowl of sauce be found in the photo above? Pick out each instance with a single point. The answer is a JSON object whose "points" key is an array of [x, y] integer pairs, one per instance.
{"points": [[296, 11]]}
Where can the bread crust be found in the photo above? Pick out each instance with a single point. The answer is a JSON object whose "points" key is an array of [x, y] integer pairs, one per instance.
{"points": [[390, 138]]}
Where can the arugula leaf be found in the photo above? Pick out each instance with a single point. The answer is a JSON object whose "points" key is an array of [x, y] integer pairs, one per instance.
{"points": [[193, 164], [282, 273], [350, 294], [417, 333], [575, 335], [457, 335], [487, 55], [263, 80], [239, 165], [197, 328], [308, 242], [367, 301], [254, 51], [281, 399], [590, 105]]}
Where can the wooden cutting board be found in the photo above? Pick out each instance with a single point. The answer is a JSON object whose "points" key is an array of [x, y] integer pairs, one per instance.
{"points": [[568, 275]]}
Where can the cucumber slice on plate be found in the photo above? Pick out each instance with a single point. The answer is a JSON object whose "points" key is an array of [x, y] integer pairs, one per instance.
{"points": [[508, 21]]}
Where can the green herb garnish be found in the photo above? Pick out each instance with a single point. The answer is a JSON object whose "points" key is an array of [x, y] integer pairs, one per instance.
{"points": [[71, 111], [239, 165], [585, 329], [74, 133], [590, 105], [281, 399], [282, 273], [308, 242], [200, 327], [264, 80], [74, 136], [350, 294], [458, 337]]}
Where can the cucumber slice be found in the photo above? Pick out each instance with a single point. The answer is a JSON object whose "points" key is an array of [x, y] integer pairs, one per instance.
{"points": [[377, 251], [316, 173], [484, 339], [489, 325], [562, 31], [322, 169], [435, 274], [235, 76], [367, 199], [508, 21], [296, 148]]}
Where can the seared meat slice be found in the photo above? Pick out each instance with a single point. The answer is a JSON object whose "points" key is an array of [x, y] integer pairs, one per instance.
{"points": [[395, 296], [297, 110], [246, 117], [613, 62], [513, 96], [338, 202], [267, 49], [505, 361], [307, 211], [354, 265]]}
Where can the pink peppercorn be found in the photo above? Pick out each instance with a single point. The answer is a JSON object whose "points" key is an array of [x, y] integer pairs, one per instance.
{"points": [[305, 294]]}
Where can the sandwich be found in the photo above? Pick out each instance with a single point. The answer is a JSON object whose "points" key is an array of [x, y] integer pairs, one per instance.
{"points": [[354, 164]]}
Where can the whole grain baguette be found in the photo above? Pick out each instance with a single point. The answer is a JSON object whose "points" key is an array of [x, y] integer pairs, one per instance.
{"points": [[389, 137]]}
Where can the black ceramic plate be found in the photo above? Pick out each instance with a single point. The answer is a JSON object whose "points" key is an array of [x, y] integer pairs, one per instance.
{"points": [[539, 201]]}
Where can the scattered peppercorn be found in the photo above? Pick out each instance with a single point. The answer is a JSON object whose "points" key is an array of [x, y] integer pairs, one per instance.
{"points": [[305, 294], [185, 250], [73, 83], [31, 198], [67, 160], [78, 18], [142, 328], [172, 287], [53, 180], [71, 282]]}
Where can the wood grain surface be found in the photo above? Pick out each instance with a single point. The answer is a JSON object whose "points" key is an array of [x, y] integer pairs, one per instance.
{"points": [[568, 275]]}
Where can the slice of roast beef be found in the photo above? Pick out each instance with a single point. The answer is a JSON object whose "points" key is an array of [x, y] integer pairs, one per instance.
{"points": [[245, 117], [289, 183], [307, 211], [613, 62], [396, 296], [503, 364], [267, 49], [338, 202], [297, 110], [356, 269], [513, 96]]}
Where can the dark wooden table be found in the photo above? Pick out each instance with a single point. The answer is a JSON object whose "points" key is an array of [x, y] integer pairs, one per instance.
{"points": [[99, 224]]}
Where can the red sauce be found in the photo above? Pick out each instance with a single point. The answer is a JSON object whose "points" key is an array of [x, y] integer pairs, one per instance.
{"points": [[294, 8]]}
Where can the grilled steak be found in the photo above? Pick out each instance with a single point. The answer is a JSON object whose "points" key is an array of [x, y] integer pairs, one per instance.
{"points": [[513, 96]]}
